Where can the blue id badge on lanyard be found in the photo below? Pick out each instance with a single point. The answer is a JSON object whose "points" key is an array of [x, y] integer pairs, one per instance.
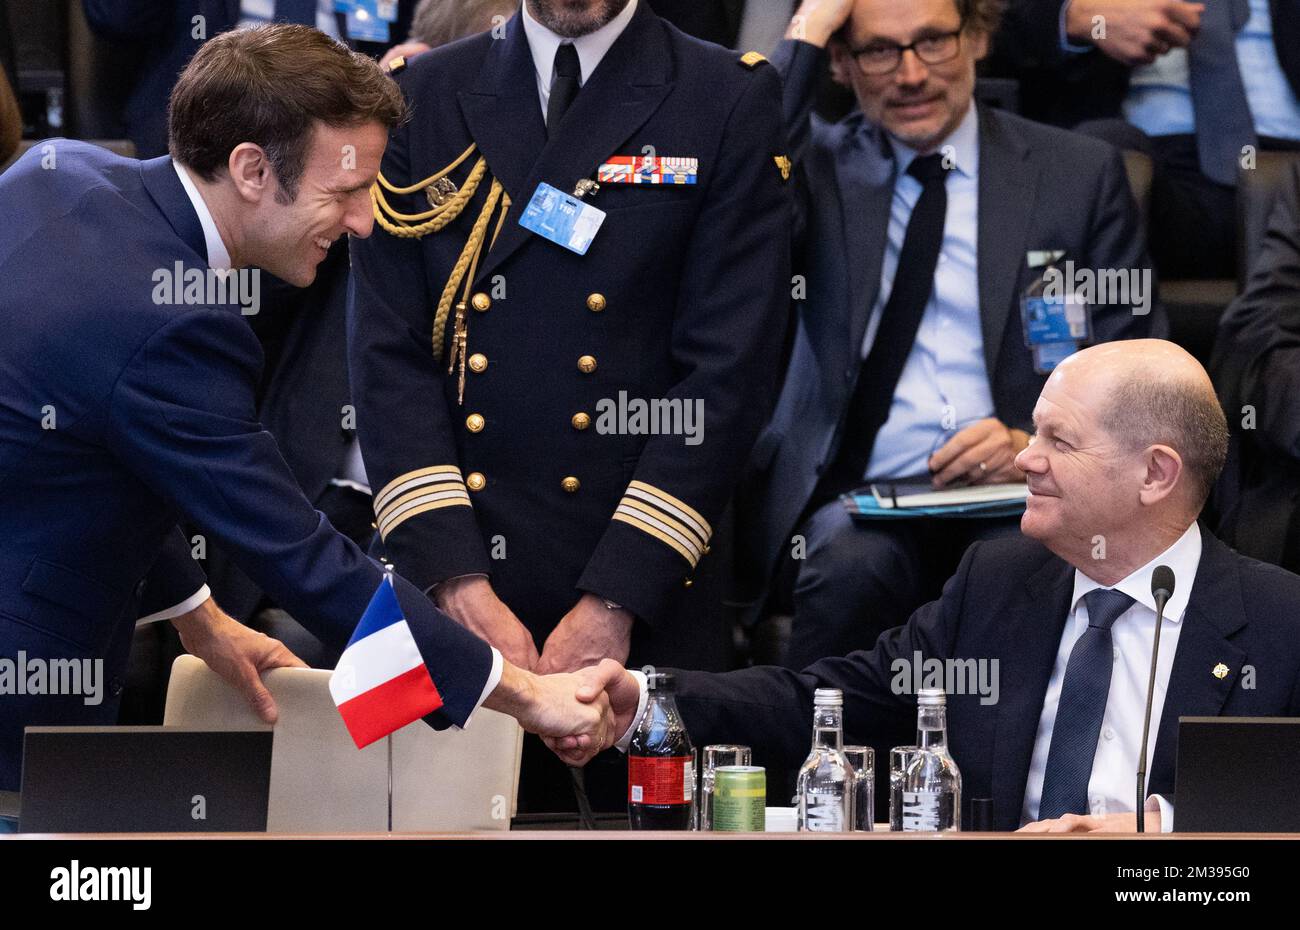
{"points": [[1054, 328], [562, 219], [366, 21]]}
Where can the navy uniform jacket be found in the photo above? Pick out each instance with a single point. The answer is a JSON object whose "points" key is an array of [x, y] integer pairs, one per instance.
{"points": [[118, 415], [682, 296], [1008, 602], [1039, 189]]}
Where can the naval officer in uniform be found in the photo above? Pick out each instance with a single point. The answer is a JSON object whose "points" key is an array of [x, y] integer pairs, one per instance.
{"points": [[127, 400], [552, 436]]}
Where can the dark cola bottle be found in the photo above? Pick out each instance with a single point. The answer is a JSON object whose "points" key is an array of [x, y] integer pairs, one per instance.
{"points": [[661, 764]]}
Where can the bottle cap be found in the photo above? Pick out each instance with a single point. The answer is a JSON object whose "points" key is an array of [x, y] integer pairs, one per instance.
{"points": [[931, 697], [828, 697], [660, 681]]}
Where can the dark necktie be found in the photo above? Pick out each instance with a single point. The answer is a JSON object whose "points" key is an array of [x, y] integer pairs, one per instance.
{"points": [[1223, 120], [564, 86], [296, 11], [913, 283], [1081, 708]]}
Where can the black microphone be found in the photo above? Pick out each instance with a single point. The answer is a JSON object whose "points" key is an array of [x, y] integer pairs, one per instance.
{"points": [[1162, 588]]}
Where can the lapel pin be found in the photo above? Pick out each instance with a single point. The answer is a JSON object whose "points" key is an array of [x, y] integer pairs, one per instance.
{"points": [[586, 186], [1220, 671], [784, 165]]}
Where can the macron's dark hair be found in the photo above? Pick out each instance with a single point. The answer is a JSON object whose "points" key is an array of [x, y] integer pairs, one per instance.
{"points": [[269, 86]]}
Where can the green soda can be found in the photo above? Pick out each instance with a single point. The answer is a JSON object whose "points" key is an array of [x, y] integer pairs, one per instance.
{"points": [[739, 796]]}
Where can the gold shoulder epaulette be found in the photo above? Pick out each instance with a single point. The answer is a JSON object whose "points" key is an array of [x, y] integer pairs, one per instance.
{"points": [[397, 64], [752, 60], [446, 201]]}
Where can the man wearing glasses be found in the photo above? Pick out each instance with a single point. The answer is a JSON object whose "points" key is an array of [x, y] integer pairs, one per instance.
{"points": [[923, 220]]}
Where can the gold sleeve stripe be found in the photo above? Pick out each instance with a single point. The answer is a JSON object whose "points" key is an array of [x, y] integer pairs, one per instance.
{"points": [[632, 518], [665, 501], [441, 491], [412, 479], [661, 519], [421, 504]]}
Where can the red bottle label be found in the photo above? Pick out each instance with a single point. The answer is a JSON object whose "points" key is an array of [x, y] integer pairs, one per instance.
{"points": [[660, 779]]}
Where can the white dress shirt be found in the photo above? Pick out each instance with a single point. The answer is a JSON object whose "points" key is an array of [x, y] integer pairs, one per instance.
{"points": [[591, 48], [1115, 765], [944, 381], [219, 259]]}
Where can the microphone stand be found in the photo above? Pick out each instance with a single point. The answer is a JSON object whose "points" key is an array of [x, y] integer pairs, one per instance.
{"points": [[1161, 598]]}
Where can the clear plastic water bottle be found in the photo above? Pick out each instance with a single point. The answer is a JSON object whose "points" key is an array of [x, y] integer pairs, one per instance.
{"points": [[932, 782], [825, 786]]}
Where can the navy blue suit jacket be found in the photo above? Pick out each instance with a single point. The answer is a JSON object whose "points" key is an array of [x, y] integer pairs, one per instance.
{"points": [[1039, 189], [1008, 601], [119, 415]]}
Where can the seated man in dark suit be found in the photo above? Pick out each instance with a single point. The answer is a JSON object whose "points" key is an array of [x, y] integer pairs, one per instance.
{"points": [[924, 220], [1197, 86], [1129, 440], [1256, 369]]}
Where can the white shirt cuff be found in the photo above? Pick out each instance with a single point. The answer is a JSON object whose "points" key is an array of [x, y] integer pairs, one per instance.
{"points": [[493, 679], [184, 607], [643, 684], [1157, 802]]}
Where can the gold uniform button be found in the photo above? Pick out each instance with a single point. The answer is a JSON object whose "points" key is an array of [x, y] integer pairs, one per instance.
{"points": [[686, 583], [587, 364], [476, 481], [475, 422], [570, 485], [596, 303], [581, 421], [481, 302], [478, 362]]}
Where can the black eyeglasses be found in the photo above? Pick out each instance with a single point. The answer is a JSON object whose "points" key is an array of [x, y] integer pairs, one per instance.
{"points": [[883, 58]]}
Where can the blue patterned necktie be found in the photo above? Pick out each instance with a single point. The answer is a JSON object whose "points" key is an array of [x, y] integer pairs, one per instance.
{"points": [[296, 11], [1081, 708], [1223, 120]]}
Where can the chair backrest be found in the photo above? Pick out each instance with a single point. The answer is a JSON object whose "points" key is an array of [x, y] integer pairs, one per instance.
{"points": [[443, 781], [1140, 170], [1257, 190]]}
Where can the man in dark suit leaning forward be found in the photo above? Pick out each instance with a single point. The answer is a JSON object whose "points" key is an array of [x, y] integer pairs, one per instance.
{"points": [[127, 395], [1129, 439]]}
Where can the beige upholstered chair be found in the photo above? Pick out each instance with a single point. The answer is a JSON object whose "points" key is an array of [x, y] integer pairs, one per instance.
{"points": [[450, 780]]}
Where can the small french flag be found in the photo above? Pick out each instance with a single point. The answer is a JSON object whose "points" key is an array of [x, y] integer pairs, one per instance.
{"points": [[381, 682]]}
